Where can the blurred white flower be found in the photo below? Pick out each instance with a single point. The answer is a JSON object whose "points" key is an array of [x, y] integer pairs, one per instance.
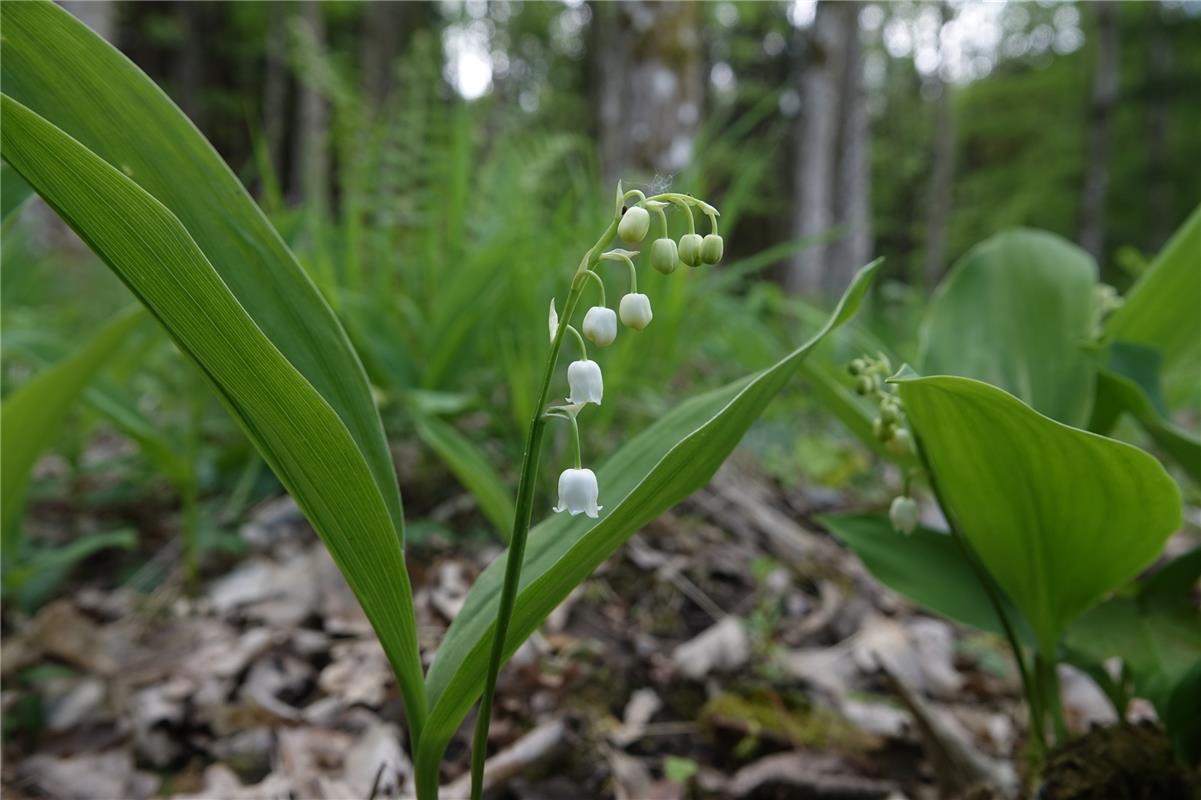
{"points": [[903, 514]]}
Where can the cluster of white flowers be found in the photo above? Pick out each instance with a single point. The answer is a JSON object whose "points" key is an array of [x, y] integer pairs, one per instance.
{"points": [[578, 489], [870, 376]]}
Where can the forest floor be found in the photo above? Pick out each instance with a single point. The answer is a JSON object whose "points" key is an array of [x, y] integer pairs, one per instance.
{"points": [[730, 650]]}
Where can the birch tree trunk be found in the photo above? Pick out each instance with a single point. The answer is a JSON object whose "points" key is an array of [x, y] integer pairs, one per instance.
{"points": [[649, 79], [99, 15], [832, 178], [942, 170], [1104, 99], [852, 195]]}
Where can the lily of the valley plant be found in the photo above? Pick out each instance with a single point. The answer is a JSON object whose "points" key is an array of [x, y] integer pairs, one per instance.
{"points": [[579, 492]]}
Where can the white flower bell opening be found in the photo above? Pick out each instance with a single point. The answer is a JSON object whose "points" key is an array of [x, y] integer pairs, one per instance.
{"points": [[600, 325], [903, 513], [585, 383], [578, 492], [636, 311]]}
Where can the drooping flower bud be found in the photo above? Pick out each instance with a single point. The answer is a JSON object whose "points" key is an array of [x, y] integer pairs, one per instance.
{"points": [[690, 249], [600, 325], [903, 514], [578, 493], [634, 225], [635, 311], [901, 443], [584, 382], [664, 255], [712, 248]]}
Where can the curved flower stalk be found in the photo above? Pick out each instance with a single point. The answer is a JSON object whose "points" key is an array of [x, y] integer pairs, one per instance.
{"points": [[578, 489]]}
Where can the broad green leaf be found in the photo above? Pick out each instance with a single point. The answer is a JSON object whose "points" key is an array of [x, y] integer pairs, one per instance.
{"points": [[298, 432], [1160, 310], [1181, 717], [926, 566], [1016, 312], [33, 415], [471, 468], [1059, 516], [55, 66], [651, 473], [1130, 384], [1157, 631]]}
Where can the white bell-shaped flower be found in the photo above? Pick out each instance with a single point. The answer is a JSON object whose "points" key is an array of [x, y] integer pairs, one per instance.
{"points": [[600, 325], [585, 383], [554, 321], [578, 492], [903, 513], [635, 310]]}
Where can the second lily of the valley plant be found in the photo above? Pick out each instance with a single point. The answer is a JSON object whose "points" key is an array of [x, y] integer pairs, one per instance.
{"points": [[579, 492]]}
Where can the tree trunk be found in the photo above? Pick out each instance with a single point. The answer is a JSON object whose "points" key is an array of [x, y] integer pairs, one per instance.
{"points": [[310, 164], [831, 182], [99, 15], [649, 85], [1104, 99], [275, 87], [188, 69], [852, 195], [942, 170], [1159, 122]]}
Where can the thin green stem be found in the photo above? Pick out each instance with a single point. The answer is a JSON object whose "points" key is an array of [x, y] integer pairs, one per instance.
{"points": [[712, 221], [662, 219], [580, 341], [1029, 685], [521, 518], [600, 284], [629, 262], [575, 440], [1049, 678]]}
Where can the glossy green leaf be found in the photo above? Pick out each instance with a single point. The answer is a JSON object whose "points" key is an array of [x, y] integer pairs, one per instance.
{"points": [[59, 69], [298, 432], [1156, 632], [472, 469], [1016, 312], [1160, 310], [33, 415], [655, 470], [1059, 516], [926, 566], [1130, 384]]}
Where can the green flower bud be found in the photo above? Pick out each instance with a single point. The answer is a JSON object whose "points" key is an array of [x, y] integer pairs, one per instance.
{"points": [[634, 225], [690, 249], [864, 385], [663, 255], [901, 443], [856, 367], [712, 248], [884, 431], [890, 412]]}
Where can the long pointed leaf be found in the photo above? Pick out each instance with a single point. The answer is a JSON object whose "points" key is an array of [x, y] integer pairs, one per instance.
{"points": [[33, 415], [58, 68], [654, 471], [299, 434]]}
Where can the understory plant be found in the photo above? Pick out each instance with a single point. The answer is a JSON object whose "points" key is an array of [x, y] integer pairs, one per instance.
{"points": [[110, 153], [1026, 363]]}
